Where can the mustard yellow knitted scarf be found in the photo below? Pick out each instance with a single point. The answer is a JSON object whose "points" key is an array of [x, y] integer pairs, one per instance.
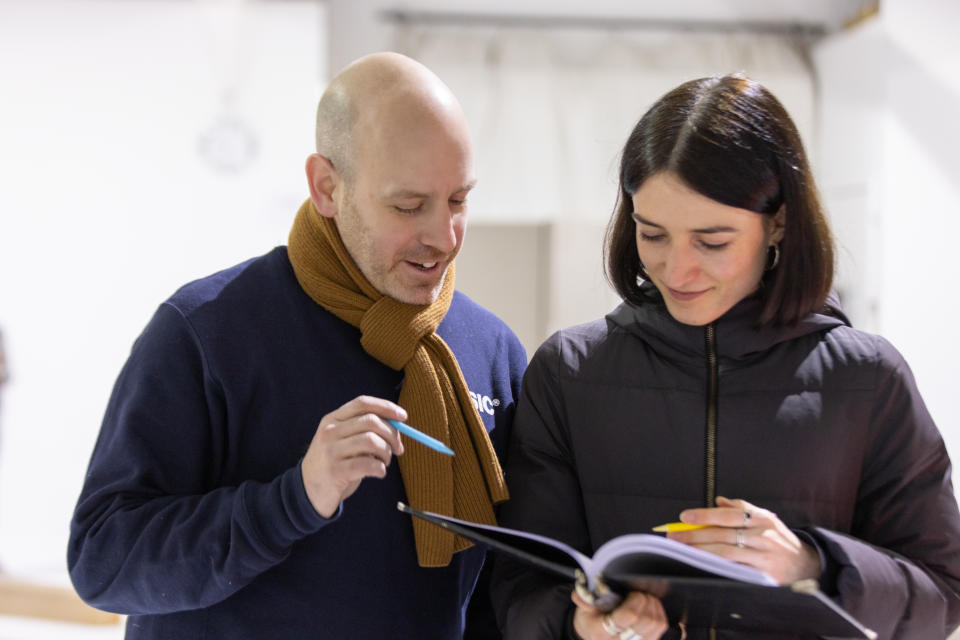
{"points": [[434, 393]]}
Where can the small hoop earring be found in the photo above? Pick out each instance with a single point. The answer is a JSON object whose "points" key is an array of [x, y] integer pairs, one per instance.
{"points": [[772, 264]]}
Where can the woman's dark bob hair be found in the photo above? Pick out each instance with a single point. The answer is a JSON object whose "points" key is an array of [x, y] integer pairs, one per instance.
{"points": [[731, 140]]}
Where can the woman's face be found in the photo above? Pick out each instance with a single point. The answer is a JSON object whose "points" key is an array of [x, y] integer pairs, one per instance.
{"points": [[702, 255]]}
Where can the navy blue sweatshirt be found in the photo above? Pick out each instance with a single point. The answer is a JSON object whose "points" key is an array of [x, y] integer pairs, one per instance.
{"points": [[193, 518]]}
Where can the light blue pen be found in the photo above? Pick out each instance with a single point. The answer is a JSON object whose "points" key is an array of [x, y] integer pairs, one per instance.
{"points": [[419, 436]]}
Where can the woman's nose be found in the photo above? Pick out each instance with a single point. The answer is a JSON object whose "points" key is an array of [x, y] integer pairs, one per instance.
{"points": [[681, 266]]}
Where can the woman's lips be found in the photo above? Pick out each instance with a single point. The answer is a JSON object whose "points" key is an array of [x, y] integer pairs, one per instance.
{"points": [[686, 296]]}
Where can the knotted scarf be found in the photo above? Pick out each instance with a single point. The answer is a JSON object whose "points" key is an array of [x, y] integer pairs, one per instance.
{"points": [[434, 393]]}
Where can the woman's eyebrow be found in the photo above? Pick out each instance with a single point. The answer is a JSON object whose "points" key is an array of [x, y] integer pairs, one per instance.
{"points": [[642, 220], [713, 229]]}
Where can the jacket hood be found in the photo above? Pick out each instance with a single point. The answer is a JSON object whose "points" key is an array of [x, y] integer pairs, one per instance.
{"points": [[736, 334]]}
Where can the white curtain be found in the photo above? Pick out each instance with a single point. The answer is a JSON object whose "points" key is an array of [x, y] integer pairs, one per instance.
{"points": [[551, 107]]}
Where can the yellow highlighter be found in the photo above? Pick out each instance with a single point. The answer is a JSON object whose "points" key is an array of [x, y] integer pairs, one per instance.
{"points": [[679, 526]]}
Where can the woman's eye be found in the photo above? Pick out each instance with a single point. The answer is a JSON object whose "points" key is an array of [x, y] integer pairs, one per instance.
{"points": [[713, 247], [647, 237], [408, 211]]}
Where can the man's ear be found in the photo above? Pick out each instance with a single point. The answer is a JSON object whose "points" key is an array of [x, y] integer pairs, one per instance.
{"points": [[324, 181]]}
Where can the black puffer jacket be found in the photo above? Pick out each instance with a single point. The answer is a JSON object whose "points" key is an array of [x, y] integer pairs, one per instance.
{"points": [[626, 421]]}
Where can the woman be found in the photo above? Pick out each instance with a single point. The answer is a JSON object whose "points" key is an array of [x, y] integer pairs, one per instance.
{"points": [[729, 390]]}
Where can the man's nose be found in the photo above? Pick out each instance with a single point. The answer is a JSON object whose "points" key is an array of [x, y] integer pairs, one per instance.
{"points": [[440, 230]]}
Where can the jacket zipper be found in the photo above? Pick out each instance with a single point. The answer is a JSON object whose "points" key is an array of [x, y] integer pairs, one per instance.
{"points": [[710, 492]]}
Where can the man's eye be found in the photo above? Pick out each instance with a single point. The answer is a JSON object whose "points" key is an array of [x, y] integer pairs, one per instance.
{"points": [[415, 209]]}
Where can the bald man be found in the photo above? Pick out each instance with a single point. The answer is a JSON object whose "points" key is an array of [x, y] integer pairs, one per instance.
{"points": [[245, 481]]}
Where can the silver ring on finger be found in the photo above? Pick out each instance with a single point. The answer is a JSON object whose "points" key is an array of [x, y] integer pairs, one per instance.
{"points": [[612, 627], [741, 537]]}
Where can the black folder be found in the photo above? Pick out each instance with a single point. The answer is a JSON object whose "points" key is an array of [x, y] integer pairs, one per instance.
{"points": [[698, 589]]}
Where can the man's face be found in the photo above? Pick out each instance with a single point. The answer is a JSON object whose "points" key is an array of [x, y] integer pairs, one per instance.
{"points": [[402, 212]]}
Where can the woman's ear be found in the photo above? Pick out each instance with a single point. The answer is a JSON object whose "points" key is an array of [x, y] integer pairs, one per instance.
{"points": [[323, 179], [778, 224]]}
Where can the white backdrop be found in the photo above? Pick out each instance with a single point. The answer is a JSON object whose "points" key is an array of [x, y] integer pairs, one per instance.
{"points": [[108, 205], [552, 107]]}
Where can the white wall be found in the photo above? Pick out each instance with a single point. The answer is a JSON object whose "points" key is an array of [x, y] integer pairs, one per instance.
{"points": [[889, 99], [107, 206]]}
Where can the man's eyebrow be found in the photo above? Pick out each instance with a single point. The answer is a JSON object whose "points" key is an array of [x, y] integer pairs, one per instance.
{"points": [[406, 193], [714, 229], [414, 194]]}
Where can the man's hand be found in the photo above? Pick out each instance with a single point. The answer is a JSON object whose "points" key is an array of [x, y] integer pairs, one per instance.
{"points": [[351, 443]]}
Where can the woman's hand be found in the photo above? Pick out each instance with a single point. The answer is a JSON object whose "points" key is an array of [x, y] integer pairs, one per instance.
{"points": [[747, 534], [639, 617]]}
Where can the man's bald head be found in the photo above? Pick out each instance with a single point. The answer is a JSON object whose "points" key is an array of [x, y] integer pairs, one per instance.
{"points": [[373, 96], [393, 169]]}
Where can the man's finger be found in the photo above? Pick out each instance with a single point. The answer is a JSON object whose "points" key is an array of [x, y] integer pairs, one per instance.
{"points": [[368, 404], [364, 443], [364, 423]]}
